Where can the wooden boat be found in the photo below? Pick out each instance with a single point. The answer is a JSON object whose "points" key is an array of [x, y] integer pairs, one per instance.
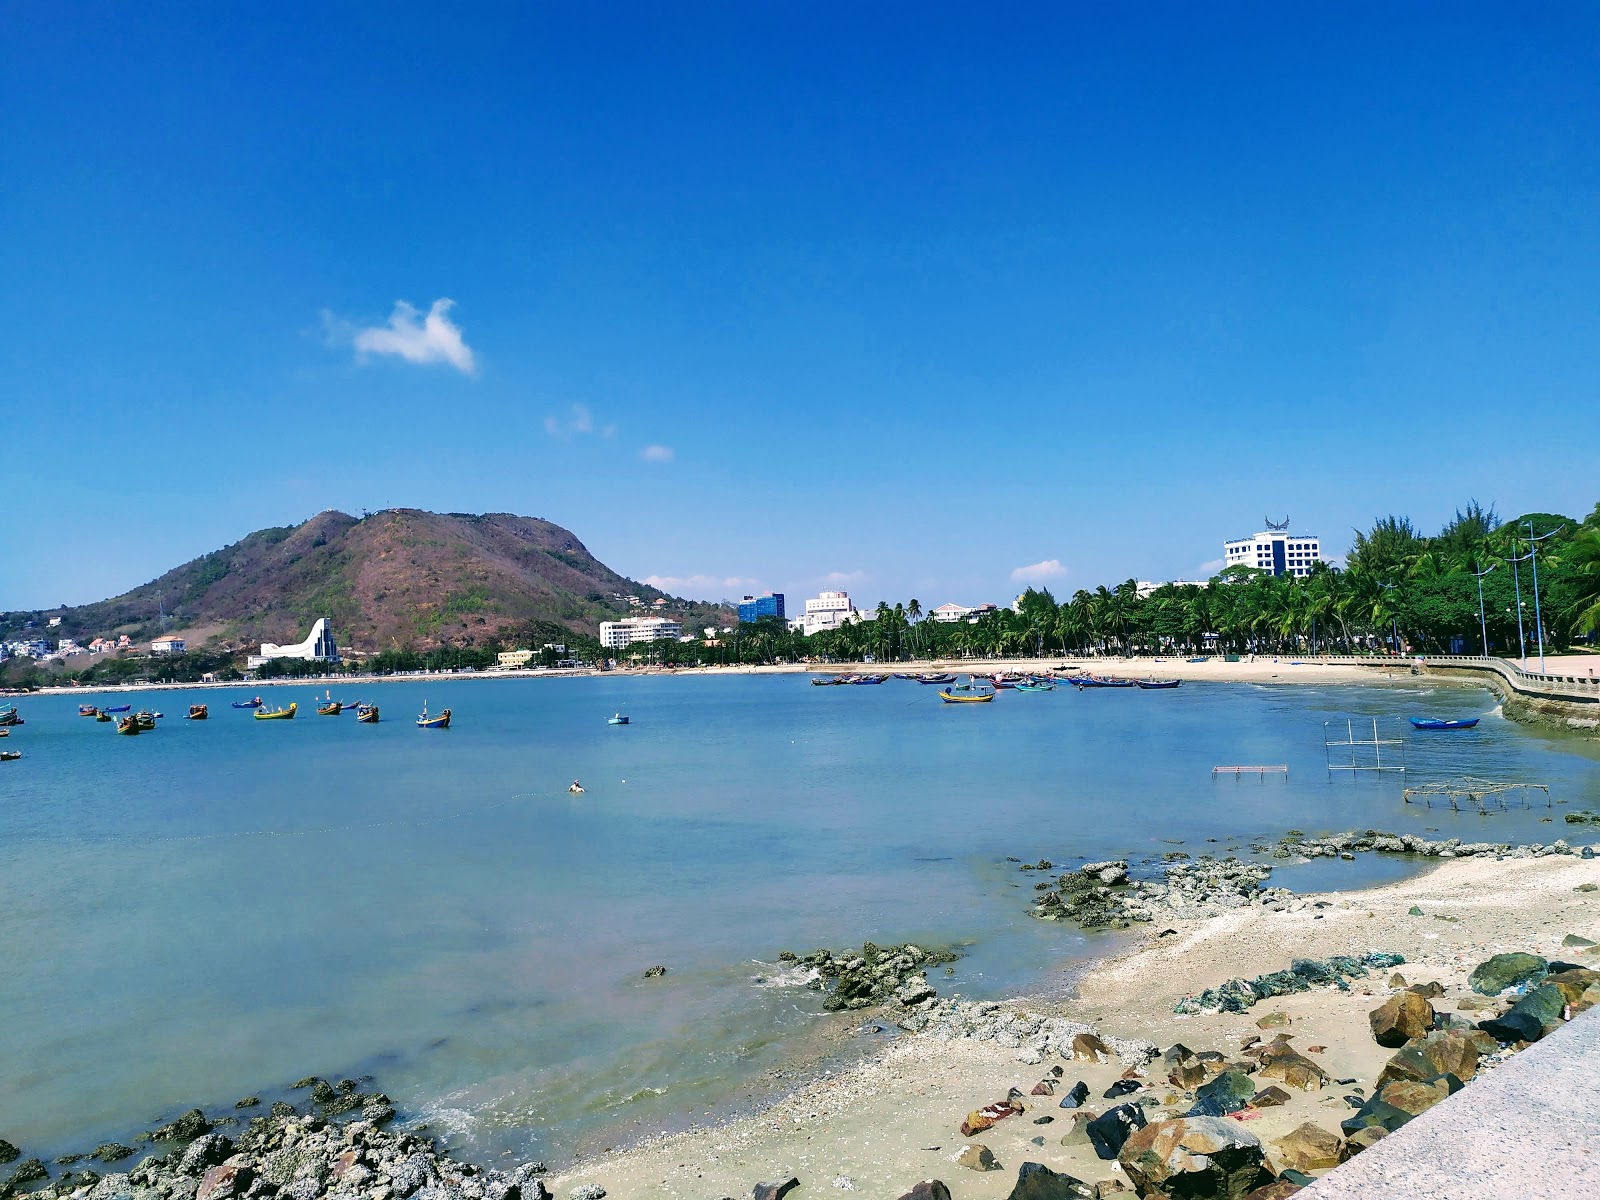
{"points": [[1157, 684], [5, 733], [868, 679], [619, 719], [10, 716], [331, 709], [197, 712], [1042, 685], [253, 702], [277, 714], [145, 718], [441, 721], [102, 715], [940, 677], [10, 755], [88, 710], [971, 696], [129, 726], [829, 682], [1435, 723], [367, 714], [120, 708]]}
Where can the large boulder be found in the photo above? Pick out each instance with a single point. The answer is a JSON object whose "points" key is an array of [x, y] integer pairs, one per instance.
{"points": [[184, 1129], [1227, 1093], [1110, 1130], [1495, 975], [1284, 1063], [928, 1189], [1403, 1016], [205, 1151], [224, 1182], [1278, 1189], [775, 1191], [1414, 1097], [1195, 1157], [1311, 1148], [1035, 1181], [8, 1152], [1573, 983], [1089, 1048], [1530, 1018], [1442, 1052]]}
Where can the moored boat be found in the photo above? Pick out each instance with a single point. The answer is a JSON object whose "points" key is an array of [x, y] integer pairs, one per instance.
{"points": [[1157, 684], [277, 714], [145, 718], [10, 716], [197, 712], [963, 695], [119, 708], [1438, 723], [102, 715], [440, 720], [129, 725], [1038, 685], [367, 714], [88, 710], [937, 677], [332, 709], [253, 702], [10, 755], [869, 679], [619, 719]]}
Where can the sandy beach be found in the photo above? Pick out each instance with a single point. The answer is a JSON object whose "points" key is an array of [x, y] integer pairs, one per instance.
{"points": [[880, 1127]]}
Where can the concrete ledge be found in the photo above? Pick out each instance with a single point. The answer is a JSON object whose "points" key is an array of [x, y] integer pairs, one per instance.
{"points": [[1528, 1128]]}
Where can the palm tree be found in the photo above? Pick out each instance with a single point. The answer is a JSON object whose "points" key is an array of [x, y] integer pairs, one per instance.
{"points": [[1583, 551]]}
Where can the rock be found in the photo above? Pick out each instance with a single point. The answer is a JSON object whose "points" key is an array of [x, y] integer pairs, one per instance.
{"points": [[1572, 983], [1289, 1066], [977, 1157], [1363, 1139], [1530, 1018], [1275, 1020], [1494, 976], [1400, 1018], [411, 1175], [1280, 1189], [205, 1151], [224, 1182], [928, 1189], [1036, 1181], [1442, 1052], [984, 1118], [1195, 1157], [1574, 940], [1076, 1097], [1590, 998], [763, 1191], [1077, 1133], [1045, 1087], [281, 1108], [1108, 873], [1110, 1130], [1311, 1148], [1431, 990], [29, 1170], [1227, 1093], [8, 1152], [1269, 1097], [1122, 1087], [186, 1128], [1187, 1073], [109, 1152], [1413, 911], [1089, 1048], [655, 972], [1415, 1098]]}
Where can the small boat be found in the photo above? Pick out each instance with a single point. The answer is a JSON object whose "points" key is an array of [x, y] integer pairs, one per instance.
{"points": [[129, 726], [120, 708], [868, 679], [145, 718], [10, 716], [253, 702], [441, 721], [10, 755], [827, 682], [88, 710], [1435, 723], [970, 696], [903, 675], [1037, 685], [619, 719], [940, 677], [1157, 684], [277, 714], [1199, 658], [331, 709], [102, 715], [197, 712], [5, 733], [367, 714], [576, 789]]}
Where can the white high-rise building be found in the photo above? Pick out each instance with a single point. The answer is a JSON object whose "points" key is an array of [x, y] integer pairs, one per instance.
{"points": [[826, 611], [614, 635], [319, 647], [1274, 550]]}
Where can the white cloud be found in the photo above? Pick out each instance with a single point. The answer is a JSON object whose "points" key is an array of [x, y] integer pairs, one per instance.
{"points": [[1208, 569], [578, 420], [656, 454], [700, 585], [843, 577], [1038, 572], [434, 338]]}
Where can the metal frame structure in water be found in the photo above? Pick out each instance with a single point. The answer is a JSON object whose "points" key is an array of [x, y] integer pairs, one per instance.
{"points": [[1474, 794], [1358, 760]]}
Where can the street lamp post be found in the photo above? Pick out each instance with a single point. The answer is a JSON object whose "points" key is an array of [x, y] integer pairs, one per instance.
{"points": [[1533, 553], [1483, 624], [1394, 623], [1516, 577]]}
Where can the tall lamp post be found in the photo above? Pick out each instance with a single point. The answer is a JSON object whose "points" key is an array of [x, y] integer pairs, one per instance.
{"points": [[1533, 553], [1483, 624], [1394, 623], [1516, 577]]}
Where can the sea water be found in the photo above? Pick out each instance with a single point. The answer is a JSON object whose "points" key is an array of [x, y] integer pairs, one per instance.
{"points": [[217, 908]]}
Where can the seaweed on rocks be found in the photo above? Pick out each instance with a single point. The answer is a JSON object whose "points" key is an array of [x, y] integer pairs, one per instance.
{"points": [[875, 975], [1237, 995]]}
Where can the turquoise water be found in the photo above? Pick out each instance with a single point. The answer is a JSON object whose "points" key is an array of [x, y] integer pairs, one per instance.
{"points": [[218, 908]]}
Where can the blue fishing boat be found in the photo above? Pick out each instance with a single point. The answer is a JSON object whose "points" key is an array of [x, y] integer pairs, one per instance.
{"points": [[869, 679], [1037, 685], [254, 702], [940, 677], [1436, 723], [119, 708], [1150, 685]]}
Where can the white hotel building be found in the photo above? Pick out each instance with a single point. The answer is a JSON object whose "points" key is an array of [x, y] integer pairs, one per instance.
{"points": [[614, 635], [829, 610], [1275, 551]]}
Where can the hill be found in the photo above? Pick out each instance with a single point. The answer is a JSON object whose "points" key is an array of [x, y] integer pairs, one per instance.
{"points": [[397, 578]]}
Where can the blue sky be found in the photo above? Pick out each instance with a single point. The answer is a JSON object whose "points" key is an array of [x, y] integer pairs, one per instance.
{"points": [[768, 296]]}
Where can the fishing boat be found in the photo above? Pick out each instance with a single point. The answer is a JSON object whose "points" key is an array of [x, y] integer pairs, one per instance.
{"points": [[939, 677], [903, 675], [331, 709], [253, 702], [277, 714], [440, 721], [1199, 658], [120, 708], [829, 681], [1151, 685], [102, 715], [88, 710], [10, 716], [129, 726], [965, 695], [10, 755], [1000, 681], [1036, 685], [197, 712], [1436, 723], [869, 679], [145, 718], [5, 733], [367, 714], [619, 719]]}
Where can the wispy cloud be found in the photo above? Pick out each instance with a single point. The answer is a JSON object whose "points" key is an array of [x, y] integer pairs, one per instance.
{"points": [[656, 454], [1038, 572], [840, 578], [700, 585], [1208, 569], [410, 335]]}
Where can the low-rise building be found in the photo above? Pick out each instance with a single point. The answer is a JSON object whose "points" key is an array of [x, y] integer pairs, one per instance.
{"points": [[168, 643], [614, 635], [514, 658]]}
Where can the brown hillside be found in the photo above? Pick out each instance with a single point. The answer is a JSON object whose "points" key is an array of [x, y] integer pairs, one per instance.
{"points": [[401, 577]]}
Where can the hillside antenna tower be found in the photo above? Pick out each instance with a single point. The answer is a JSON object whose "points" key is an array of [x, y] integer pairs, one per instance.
{"points": [[161, 606]]}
